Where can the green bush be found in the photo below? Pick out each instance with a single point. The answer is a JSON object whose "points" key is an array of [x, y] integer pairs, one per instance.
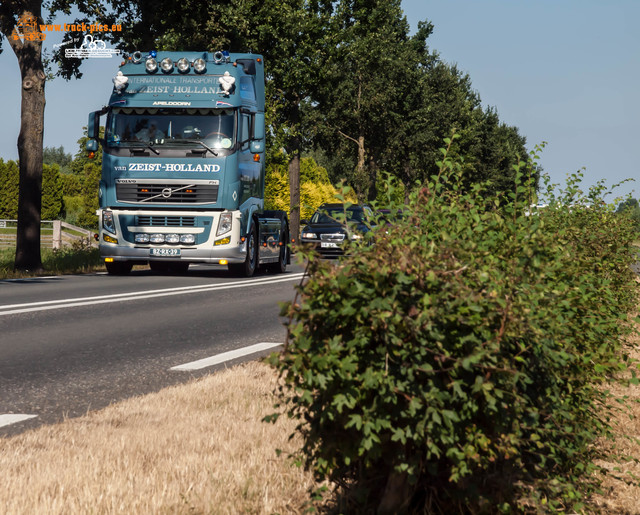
{"points": [[455, 364], [52, 204], [9, 180], [80, 257], [73, 208]]}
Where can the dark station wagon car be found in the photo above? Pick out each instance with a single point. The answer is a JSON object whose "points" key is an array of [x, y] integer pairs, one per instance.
{"points": [[331, 225]]}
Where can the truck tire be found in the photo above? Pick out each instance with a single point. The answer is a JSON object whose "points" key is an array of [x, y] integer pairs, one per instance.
{"points": [[248, 268], [281, 266], [118, 267]]}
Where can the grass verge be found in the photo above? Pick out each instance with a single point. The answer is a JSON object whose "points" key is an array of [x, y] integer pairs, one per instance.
{"points": [[621, 485], [68, 260], [202, 448], [196, 448]]}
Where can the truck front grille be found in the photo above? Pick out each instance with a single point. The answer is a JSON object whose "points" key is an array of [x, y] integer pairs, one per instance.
{"points": [[166, 193], [165, 221]]}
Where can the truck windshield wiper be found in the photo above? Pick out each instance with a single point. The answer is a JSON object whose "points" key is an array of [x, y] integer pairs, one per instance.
{"points": [[201, 143], [145, 144]]}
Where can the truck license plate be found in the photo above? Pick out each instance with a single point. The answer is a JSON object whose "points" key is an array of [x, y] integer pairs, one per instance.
{"points": [[165, 252]]}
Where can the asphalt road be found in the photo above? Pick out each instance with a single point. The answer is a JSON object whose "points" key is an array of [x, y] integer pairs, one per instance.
{"points": [[70, 344]]}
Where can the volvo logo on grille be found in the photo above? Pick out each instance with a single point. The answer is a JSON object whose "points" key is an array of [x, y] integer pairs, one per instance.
{"points": [[166, 192]]}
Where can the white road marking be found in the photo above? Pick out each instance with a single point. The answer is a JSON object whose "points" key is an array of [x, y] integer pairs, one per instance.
{"points": [[226, 356], [8, 419], [12, 309]]}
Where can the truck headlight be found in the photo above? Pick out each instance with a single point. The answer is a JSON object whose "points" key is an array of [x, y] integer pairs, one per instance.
{"points": [[189, 239], [142, 238], [172, 238], [156, 238], [225, 223], [108, 223]]}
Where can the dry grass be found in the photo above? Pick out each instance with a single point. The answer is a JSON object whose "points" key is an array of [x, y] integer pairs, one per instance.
{"points": [[199, 448], [622, 496], [202, 448]]}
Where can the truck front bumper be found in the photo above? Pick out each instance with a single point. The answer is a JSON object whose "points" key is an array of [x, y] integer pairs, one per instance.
{"points": [[229, 253]]}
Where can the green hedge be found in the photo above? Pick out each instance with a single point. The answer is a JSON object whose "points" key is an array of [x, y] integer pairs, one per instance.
{"points": [[456, 363]]}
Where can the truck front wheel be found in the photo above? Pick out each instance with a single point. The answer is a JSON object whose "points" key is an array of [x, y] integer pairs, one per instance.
{"points": [[248, 268]]}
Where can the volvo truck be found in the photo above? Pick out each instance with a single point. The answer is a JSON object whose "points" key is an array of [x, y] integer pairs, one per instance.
{"points": [[183, 165]]}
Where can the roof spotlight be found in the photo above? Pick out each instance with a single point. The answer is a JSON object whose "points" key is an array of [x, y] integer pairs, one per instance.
{"points": [[167, 65], [151, 65], [183, 65], [199, 65]]}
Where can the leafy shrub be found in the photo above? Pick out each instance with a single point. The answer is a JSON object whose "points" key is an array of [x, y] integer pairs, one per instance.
{"points": [[52, 204], [80, 257], [9, 181], [455, 364]]}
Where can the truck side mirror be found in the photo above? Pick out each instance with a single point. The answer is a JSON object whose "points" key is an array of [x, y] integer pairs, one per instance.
{"points": [[93, 125], [258, 126], [92, 145]]}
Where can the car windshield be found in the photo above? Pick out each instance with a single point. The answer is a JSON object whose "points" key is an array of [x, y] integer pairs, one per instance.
{"points": [[333, 215], [129, 127]]}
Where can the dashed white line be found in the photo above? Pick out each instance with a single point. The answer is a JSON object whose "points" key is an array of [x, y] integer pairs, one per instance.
{"points": [[226, 356], [8, 419]]}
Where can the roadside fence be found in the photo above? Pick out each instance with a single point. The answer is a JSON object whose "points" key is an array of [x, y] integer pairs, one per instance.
{"points": [[54, 234]]}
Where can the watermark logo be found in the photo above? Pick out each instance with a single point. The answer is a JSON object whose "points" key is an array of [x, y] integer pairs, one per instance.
{"points": [[91, 47], [28, 29]]}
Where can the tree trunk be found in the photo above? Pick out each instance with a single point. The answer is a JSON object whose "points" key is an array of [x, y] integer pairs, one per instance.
{"points": [[294, 149], [29, 54], [294, 192], [396, 496], [373, 180]]}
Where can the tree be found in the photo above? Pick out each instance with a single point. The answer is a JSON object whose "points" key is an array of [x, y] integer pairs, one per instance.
{"points": [[632, 207], [57, 156], [19, 24], [89, 170], [363, 74], [17, 21], [51, 192]]}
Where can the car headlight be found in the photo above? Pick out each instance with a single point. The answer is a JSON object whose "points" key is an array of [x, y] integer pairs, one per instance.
{"points": [[108, 223], [356, 236], [225, 223], [309, 235]]}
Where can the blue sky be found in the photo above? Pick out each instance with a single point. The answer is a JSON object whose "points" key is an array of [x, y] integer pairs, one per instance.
{"points": [[562, 71]]}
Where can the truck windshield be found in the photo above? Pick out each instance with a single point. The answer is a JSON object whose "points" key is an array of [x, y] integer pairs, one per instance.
{"points": [[129, 127]]}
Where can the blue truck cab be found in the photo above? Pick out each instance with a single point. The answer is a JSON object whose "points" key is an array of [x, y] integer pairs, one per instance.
{"points": [[184, 164]]}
